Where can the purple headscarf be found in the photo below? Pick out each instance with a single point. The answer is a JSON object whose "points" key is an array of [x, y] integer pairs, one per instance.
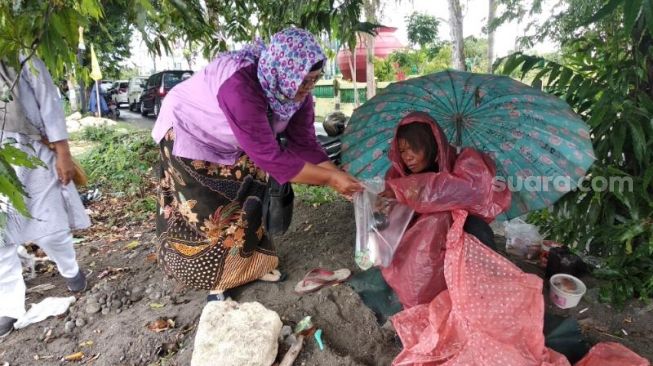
{"points": [[282, 66]]}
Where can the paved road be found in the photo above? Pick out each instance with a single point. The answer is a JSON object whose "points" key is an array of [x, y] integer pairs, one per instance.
{"points": [[136, 119]]}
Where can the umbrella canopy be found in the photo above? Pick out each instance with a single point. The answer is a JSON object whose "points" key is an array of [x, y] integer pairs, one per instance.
{"points": [[541, 147]]}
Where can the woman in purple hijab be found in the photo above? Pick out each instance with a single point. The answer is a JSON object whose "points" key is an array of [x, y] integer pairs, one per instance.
{"points": [[217, 132]]}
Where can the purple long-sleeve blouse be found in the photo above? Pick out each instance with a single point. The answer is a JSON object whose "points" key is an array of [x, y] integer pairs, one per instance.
{"points": [[221, 112]]}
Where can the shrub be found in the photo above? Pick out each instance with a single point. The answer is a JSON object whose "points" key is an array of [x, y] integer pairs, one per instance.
{"points": [[121, 161]]}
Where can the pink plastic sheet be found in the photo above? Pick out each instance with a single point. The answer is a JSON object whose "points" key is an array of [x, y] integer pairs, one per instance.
{"points": [[612, 354], [465, 304], [491, 314]]}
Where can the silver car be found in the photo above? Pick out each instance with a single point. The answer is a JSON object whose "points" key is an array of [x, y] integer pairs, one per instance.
{"points": [[134, 89], [119, 92]]}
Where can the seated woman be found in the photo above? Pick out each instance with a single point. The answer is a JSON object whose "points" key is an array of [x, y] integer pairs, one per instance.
{"points": [[427, 175]]}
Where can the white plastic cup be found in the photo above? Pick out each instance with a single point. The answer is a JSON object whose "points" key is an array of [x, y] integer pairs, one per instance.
{"points": [[564, 298]]}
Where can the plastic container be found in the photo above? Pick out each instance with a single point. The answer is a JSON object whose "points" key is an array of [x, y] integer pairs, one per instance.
{"points": [[566, 290]]}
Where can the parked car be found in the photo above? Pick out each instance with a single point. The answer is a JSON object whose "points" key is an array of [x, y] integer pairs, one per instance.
{"points": [[134, 91], [118, 92], [157, 87]]}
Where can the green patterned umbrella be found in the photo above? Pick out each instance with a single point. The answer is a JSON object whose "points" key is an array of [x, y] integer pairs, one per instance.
{"points": [[541, 147]]}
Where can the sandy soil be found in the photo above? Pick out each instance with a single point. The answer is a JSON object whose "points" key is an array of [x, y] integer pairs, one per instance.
{"points": [[109, 322], [139, 294]]}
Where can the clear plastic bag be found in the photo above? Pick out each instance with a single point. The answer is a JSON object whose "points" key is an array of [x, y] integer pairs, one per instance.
{"points": [[522, 239], [380, 224]]}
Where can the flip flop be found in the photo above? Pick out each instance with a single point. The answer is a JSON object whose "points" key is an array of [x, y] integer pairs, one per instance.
{"points": [[320, 277]]}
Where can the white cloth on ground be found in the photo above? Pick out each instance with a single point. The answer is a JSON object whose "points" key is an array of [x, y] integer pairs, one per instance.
{"points": [[50, 306]]}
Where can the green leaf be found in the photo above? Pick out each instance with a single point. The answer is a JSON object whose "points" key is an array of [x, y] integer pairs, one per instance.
{"points": [[648, 177], [638, 140], [541, 73], [17, 157], [564, 77], [12, 188], [555, 72], [92, 8], [512, 62], [618, 140], [606, 10], [573, 86], [528, 65], [648, 11], [631, 13], [132, 245]]}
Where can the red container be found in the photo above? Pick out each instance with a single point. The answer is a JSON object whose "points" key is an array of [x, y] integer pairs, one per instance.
{"points": [[385, 43]]}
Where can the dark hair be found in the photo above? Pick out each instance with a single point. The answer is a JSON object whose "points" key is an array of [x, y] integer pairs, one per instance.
{"points": [[419, 137], [318, 65]]}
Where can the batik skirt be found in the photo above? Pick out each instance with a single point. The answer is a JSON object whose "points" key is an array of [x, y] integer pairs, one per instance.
{"points": [[209, 221]]}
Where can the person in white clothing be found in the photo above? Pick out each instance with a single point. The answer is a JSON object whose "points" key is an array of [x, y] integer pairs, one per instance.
{"points": [[35, 121]]}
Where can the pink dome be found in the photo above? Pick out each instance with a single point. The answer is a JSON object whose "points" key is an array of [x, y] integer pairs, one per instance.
{"points": [[385, 43]]}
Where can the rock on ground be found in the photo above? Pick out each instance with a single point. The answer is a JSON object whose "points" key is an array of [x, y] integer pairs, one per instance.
{"points": [[232, 334], [75, 123]]}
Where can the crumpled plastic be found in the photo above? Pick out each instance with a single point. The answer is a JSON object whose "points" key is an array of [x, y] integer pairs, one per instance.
{"points": [[522, 237], [491, 314], [463, 181], [51, 306], [612, 354]]}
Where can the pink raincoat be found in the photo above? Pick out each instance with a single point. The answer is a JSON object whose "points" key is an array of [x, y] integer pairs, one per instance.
{"points": [[464, 182], [472, 307]]}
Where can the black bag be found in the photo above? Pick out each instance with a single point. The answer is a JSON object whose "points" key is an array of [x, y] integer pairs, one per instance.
{"points": [[278, 207], [278, 201]]}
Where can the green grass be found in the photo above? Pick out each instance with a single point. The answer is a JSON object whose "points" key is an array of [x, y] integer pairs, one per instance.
{"points": [[315, 195], [120, 160]]}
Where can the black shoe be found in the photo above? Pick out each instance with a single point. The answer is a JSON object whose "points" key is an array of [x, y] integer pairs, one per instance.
{"points": [[6, 325], [77, 283]]}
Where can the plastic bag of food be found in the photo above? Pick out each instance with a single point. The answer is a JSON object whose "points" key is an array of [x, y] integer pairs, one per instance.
{"points": [[380, 224], [523, 239]]}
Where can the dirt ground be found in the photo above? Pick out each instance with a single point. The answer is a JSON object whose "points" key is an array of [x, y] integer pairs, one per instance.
{"points": [[108, 323]]}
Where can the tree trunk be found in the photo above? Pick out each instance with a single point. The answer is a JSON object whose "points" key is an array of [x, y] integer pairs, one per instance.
{"points": [[369, 71], [72, 94], [490, 35], [370, 15], [188, 55], [352, 69], [456, 27]]}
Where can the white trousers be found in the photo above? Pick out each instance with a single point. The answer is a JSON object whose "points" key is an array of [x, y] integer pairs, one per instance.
{"points": [[58, 247]]}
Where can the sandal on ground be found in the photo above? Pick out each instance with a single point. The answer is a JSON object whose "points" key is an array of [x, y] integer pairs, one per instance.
{"points": [[320, 277]]}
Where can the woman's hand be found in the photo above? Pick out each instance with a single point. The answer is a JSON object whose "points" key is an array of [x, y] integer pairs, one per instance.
{"points": [[388, 193], [344, 183]]}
